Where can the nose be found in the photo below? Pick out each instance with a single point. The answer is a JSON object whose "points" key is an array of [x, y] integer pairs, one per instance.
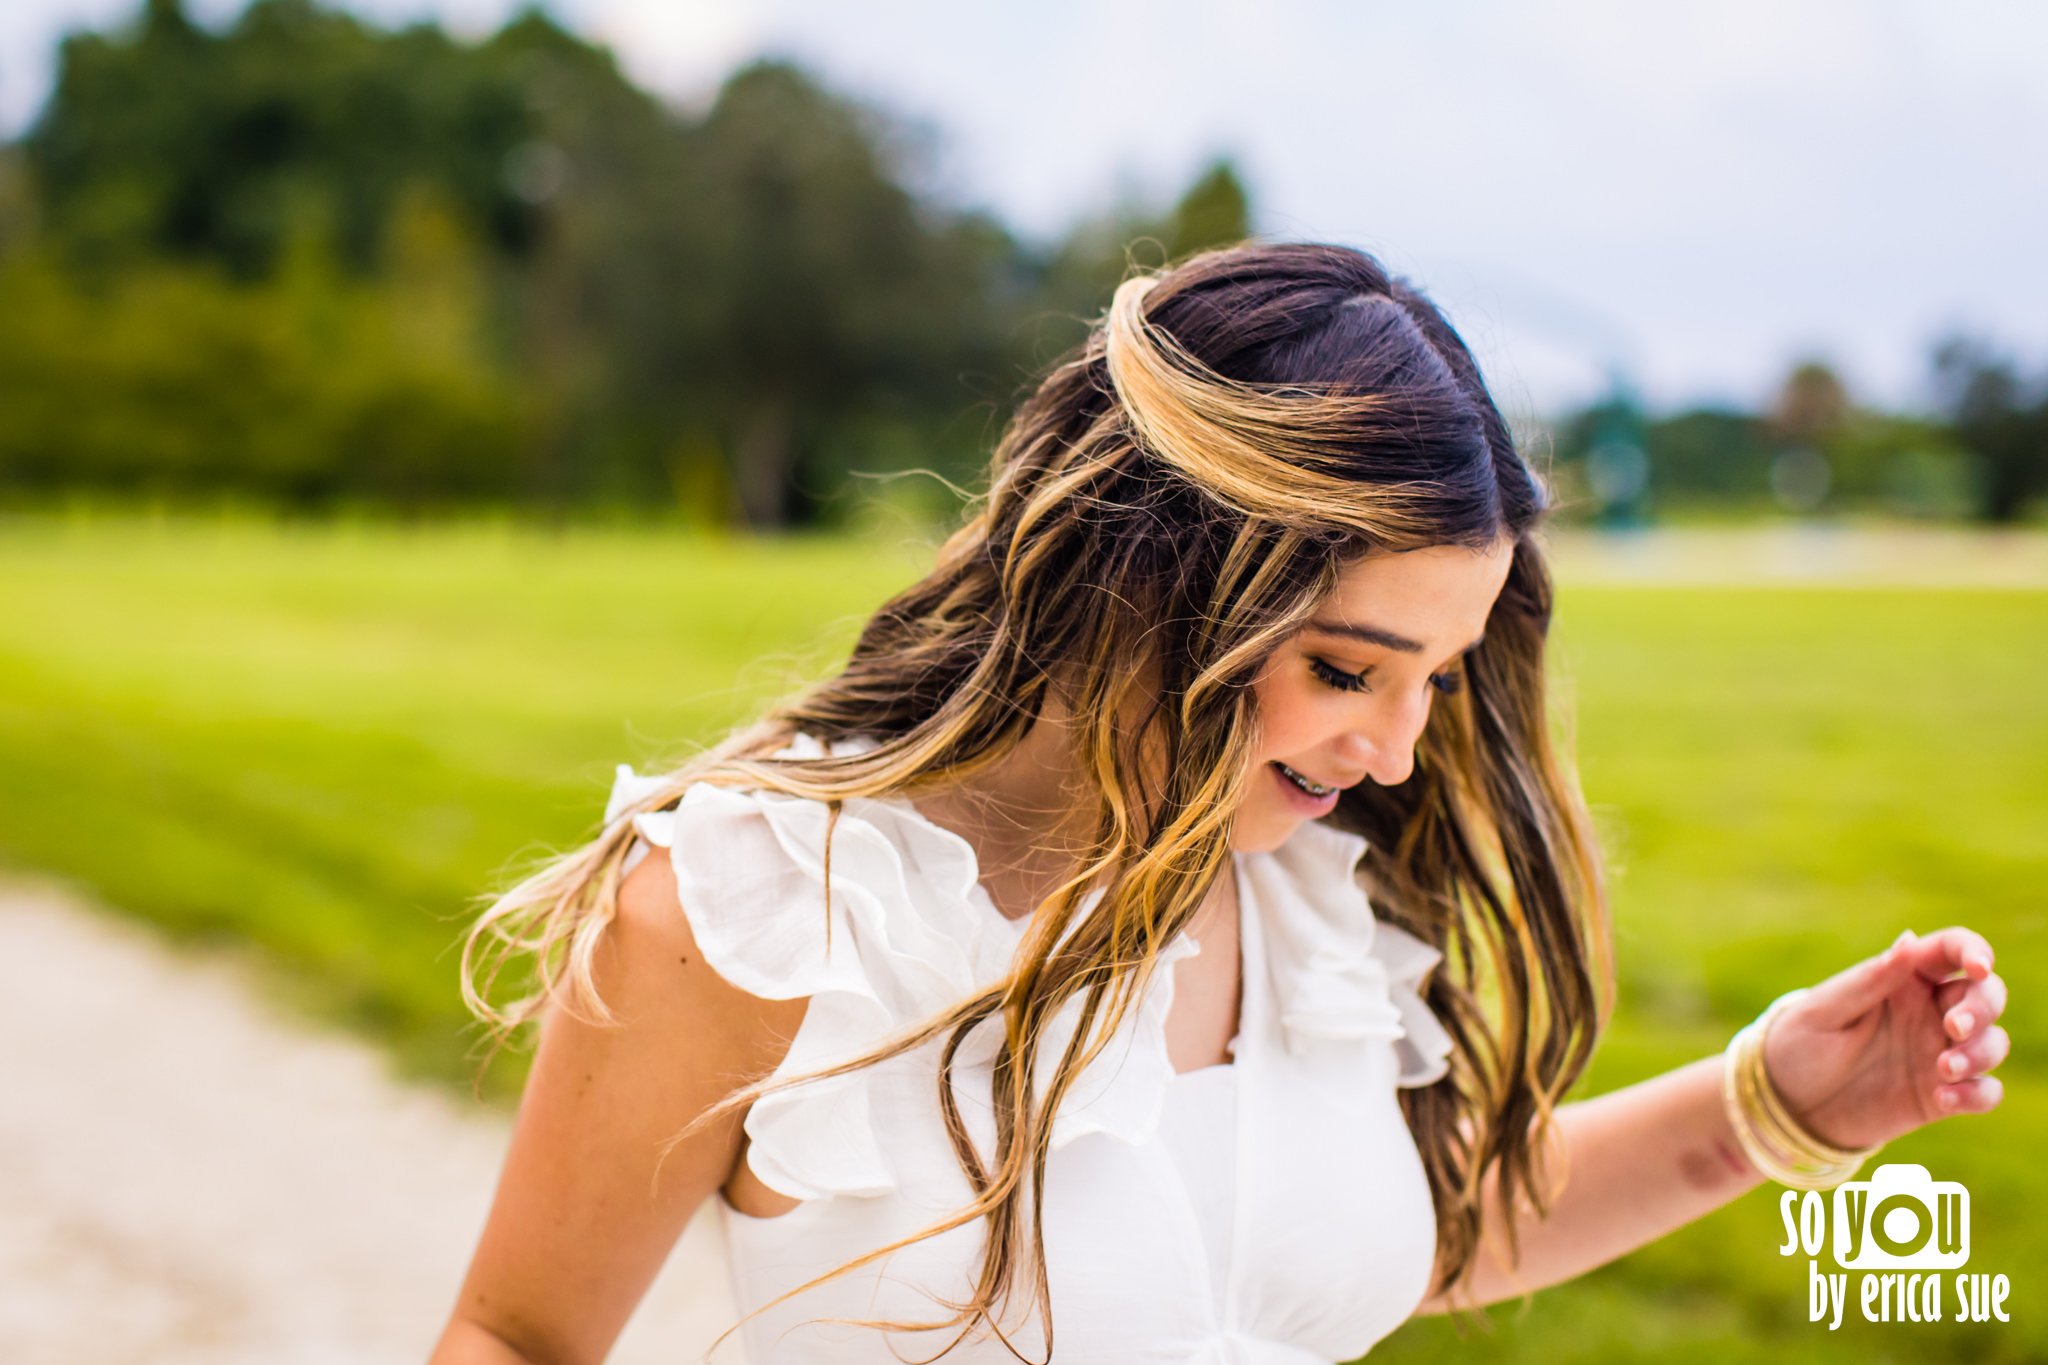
{"points": [[1383, 742]]}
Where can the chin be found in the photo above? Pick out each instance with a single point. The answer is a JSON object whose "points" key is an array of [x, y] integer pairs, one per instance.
{"points": [[1262, 831]]}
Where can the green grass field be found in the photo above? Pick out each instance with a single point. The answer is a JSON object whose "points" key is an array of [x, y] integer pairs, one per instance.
{"points": [[323, 745]]}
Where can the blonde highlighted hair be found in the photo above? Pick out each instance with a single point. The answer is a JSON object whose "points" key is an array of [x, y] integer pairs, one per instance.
{"points": [[1181, 492]]}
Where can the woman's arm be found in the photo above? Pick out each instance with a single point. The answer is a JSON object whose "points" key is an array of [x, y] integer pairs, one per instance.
{"points": [[586, 1210], [1888, 1045], [1639, 1162]]}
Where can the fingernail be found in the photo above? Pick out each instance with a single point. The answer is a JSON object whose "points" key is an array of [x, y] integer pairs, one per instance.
{"points": [[1961, 1021], [1947, 1099], [1953, 1066]]}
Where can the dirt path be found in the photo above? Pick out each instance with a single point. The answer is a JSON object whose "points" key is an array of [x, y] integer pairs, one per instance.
{"points": [[188, 1176]]}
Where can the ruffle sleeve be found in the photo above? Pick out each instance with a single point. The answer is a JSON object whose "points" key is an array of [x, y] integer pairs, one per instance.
{"points": [[1339, 971], [911, 933]]}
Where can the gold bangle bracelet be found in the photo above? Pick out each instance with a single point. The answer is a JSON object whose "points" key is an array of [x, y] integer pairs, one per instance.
{"points": [[1785, 1167], [1774, 1108], [1779, 1146], [1775, 1101], [1768, 1146], [1765, 1109], [1770, 1122], [1776, 1142]]}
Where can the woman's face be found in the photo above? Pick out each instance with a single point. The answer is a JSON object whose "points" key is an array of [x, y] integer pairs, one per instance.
{"points": [[1345, 700]]}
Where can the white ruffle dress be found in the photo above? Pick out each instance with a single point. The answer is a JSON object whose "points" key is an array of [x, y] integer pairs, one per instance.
{"points": [[1272, 1210]]}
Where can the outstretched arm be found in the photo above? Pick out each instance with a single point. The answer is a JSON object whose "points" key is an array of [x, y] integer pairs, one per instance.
{"points": [[1864, 1057], [1639, 1162]]}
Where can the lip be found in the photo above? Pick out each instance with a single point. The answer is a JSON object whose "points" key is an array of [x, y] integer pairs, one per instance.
{"points": [[1301, 800]]}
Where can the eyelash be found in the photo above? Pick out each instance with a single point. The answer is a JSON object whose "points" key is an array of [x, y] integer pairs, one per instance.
{"points": [[1447, 683]]}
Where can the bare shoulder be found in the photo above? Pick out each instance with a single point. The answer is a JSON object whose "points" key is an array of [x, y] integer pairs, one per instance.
{"points": [[600, 1178], [651, 962]]}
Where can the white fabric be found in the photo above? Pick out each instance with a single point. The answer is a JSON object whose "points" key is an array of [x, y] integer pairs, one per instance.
{"points": [[1200, 1132], [1272, 1211]]}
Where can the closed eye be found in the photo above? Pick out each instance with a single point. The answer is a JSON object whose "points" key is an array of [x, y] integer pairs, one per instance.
{"points": [[1338, 678], [1449, 682]]}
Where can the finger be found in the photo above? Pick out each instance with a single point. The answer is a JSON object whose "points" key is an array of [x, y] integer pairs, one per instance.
{"points": [[1853, 991], [1979, 1004], [1943, 953], [1975, 1056], [1976, 1096]]}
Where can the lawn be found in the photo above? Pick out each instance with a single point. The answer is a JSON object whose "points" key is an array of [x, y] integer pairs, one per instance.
{"points": [[322, 745]]}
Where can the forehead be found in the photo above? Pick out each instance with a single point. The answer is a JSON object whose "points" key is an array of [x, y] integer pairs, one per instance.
{"points": [[1440, 595]]}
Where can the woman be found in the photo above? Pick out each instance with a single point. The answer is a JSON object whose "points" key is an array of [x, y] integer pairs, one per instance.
{"points": [[1058, 979]]}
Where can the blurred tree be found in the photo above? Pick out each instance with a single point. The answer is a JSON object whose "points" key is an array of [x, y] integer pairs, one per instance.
{"points": [[1215, 211], [1831, 451], [1077, 275], [1811, 407], [1699, 455], [1905, 463], [739, 313], [1617, 466], [17, 202], [165, 137], [1804, 422], [2001, 417], [600, 175], [309, 388], [818, 288], [1712, 452]]}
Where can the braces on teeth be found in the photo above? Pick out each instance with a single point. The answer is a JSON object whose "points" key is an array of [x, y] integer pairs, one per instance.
{"points": [[1312, 788]]}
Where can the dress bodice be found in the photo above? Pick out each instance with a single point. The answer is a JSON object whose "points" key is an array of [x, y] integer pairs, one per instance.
{"points": [[1270, 1211]]}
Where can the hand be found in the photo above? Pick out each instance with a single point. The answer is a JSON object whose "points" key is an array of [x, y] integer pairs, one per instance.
{"points": [[1894, 1042]]}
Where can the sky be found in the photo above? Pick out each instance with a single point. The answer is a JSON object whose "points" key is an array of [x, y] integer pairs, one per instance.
{"points": [[1692, 195]]}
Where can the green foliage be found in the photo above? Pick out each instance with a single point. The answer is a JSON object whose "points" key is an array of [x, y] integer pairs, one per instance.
{"points": [[1907, 464], [17, 202], [171, 379], [1077, 274], [1722, 457], [1216, 211], [729, 316], [838, 300], [2001, 417], [1716, 452], [168, 139]]}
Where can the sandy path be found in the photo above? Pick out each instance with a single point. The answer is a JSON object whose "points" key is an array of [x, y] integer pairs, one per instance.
{"points": [[187, 1175]]}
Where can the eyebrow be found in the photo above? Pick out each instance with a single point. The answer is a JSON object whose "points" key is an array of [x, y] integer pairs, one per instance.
{"points": [[1385, 639]]}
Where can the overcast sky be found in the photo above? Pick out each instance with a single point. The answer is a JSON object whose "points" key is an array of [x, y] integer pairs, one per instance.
{"points": [[1699, 192]]}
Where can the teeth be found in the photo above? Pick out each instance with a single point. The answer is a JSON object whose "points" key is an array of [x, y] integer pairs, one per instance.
{"points": [[1312, 788]]}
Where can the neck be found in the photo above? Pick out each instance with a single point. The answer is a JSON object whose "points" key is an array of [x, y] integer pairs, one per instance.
{"points": [[1027, 816]]}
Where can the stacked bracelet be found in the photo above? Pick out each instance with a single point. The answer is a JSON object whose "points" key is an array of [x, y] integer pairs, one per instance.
{"points": [[1776, 1142]]}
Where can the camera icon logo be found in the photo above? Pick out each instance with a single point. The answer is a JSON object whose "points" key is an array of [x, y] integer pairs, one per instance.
{"points": [[1901, 1219]]}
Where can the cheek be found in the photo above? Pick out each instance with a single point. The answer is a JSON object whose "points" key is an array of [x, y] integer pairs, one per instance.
{"points": [[1293, 712]]}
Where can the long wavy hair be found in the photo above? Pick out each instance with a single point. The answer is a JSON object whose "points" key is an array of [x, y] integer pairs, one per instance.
{"points": [[1179, 493]]}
